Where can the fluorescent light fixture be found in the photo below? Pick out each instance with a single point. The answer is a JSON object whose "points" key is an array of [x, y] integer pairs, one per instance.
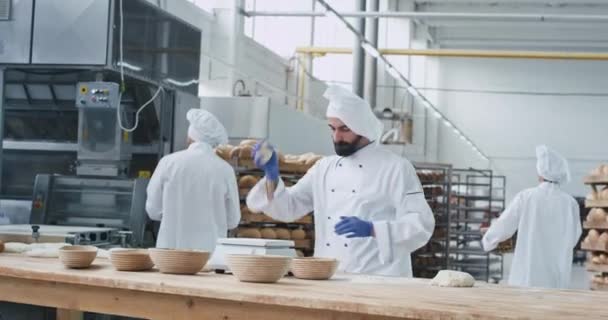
{"points": [[447, 123], [413, 91], [463, 138], [456, 131], [129, 66], [427, 104], [437, 115], [393, 72], [181, 83], [370, 49]]}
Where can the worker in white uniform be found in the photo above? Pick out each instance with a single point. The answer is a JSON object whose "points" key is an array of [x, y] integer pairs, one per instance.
{"points": [[369, 208], [548, 227], [193, 192]]}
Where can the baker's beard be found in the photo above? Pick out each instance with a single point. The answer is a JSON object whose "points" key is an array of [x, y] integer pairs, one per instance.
{"points": [[345, 149]]}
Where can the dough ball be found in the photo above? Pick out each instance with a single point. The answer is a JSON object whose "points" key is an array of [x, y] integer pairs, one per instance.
{"points": [[449, 278]]}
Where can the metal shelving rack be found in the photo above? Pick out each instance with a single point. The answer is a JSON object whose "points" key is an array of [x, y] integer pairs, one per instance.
{"points": [[435, 180], [477, 197]]}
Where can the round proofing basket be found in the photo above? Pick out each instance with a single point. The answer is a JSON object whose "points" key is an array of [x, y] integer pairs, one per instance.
{"points": [[314, 268], [77, 257], [131, 259], [179, 261], [258, 268]]}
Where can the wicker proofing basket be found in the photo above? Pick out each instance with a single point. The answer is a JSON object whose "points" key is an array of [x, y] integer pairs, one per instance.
{"points": [[258, 268], [77, 257], [314, 268], [131, 259], [179, 261]]}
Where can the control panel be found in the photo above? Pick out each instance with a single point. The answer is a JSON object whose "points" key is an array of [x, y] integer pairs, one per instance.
{"points": [[97, 94]]}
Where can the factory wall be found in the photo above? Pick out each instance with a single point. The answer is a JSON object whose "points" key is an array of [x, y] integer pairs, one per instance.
{"points": [[509, 126]]}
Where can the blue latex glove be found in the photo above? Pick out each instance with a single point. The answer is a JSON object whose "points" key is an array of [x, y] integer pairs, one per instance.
{"points": [[354, 227], [271, 168]]}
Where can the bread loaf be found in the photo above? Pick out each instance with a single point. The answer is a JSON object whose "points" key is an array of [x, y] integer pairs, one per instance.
{"points": [[603, 258], [283, 234], [593, 235], [604, 168], [247, 182], [223, 151], [234, 153], [604, 194], [248, 142], [245, 153], [298, 234], [603, 238], [592, 196], [268, 233], [596, 215], [596, 260], [249, 233]]}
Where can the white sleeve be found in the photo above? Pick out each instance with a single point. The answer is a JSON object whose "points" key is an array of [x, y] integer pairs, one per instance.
{"points": [[577, 223], [287, 204], [505, 226], [233, 208], [154, 199], [414, 223]]}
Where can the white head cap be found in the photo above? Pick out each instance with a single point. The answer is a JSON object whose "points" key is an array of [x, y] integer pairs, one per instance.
{"points": [[551, 165], [355, 112], [205, 127]]}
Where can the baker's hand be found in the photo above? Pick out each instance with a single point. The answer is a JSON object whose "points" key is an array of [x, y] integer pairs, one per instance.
{"points": [[271, 167], [354, 227]]}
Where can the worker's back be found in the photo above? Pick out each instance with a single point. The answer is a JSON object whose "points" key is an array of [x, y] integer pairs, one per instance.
{"points": [[549, 228], [199, 199]]}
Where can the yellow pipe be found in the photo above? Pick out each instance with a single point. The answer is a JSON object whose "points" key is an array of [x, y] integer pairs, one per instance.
{"points": [[321, 51]]}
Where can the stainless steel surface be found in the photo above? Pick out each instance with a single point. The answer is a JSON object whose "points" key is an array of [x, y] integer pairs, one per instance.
{"points": [[17, 211], [5, 9], [243, 117], [1, 121], [70, 32], [66, 146], [95, 202], [183, 102], [15, 33]]}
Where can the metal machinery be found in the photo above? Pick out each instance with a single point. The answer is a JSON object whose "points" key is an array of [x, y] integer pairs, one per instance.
{"points": [[68, 69]]}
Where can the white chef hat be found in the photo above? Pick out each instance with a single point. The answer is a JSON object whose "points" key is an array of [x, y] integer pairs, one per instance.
{"points": [[205, 127], [355, 112], [551, 165]]}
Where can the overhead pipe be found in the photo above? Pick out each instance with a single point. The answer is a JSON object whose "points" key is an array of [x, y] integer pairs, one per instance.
{"points": [[466, 53], [371, 63], [358, 53], [439, 15]]}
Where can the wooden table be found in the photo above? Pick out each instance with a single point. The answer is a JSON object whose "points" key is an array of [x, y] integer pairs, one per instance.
{"points": [[153, 295]]}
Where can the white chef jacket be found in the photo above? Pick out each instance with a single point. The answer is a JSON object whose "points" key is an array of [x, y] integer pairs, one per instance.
{"points": [[373, 184], [194, 194], [548, 227]]}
